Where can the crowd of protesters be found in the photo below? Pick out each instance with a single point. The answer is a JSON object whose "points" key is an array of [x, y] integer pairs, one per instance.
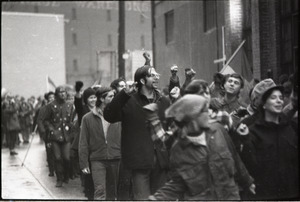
{"points": [[195, 141]]}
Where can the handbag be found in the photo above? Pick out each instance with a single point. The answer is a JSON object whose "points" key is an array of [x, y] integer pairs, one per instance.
{"points": [[57, 136]]}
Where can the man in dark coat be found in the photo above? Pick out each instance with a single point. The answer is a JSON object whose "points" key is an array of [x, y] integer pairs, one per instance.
{"points": [[137, 148], [58, 121]]}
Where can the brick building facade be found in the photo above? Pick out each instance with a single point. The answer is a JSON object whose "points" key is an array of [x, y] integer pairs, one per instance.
{"points": [[270, 28]]}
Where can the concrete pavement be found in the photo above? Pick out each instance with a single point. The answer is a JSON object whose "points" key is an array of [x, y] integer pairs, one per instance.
{"points": [[31, 181]]}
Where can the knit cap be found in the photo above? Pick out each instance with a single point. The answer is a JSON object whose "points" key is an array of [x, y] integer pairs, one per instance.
{"points": [[87, 93], [187, 108]]}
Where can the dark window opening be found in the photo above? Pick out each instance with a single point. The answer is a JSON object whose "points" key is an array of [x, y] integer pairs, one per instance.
{"points": [[74, 36], [108, 15], [209, 11], [169, 20], [75, 65], [74, 15]]}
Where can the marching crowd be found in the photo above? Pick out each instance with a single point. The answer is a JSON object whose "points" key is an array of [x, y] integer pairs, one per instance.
{"points": [[195, 141]]}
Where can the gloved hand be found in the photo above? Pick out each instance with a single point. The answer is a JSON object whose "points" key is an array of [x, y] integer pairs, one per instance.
{"points": [[78, 86], [151, 111]]}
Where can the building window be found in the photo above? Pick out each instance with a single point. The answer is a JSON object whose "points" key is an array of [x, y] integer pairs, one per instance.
{"points": [[143, 41], [74, 37], [109, 40], [36, 9], [74, 15], [169, 20], [142, 18], [209, 11], [289, 36], [75, 65], [108, 15]]}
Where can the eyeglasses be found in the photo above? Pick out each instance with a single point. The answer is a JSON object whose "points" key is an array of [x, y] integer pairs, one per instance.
{"points": [[154, 75]]}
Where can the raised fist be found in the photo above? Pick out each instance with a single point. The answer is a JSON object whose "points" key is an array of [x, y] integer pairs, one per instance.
{"points": [[78, 85], [146, 56]]}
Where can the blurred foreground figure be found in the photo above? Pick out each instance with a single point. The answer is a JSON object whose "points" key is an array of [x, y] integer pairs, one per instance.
{"points": [[203, 159]]}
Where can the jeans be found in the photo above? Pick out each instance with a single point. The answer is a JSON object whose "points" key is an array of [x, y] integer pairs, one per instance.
{"points": [[61, 153], [102, 171], [147, 181]]}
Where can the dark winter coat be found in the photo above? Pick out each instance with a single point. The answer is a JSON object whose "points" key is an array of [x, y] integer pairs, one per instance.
{"points": [[137, 146], [12, 122], [81, 110], [59, 117], [270, 153], [205, 172], [25, 113], [93, 145]]}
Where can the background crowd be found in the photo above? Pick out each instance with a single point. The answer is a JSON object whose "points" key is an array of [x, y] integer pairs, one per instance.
{"points": [[190, 141]]}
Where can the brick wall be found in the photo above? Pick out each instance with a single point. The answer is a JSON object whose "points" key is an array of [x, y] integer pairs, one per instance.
{"points": [[269, 37], [255, 39]]}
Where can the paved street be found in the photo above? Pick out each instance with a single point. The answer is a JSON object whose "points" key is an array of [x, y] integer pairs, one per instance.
{"points": [[31, 181]]}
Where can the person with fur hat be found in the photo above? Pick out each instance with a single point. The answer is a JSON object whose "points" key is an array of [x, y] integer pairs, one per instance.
{"points": [[232, 84], [137, 147], [100, 144], [270, 149], [203, 160], [58, 119]]}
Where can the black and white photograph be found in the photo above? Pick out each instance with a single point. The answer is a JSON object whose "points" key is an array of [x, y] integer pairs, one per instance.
{"points": [[150, 100]]}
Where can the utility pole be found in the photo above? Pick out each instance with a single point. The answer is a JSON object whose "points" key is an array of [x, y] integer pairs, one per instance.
{"points": [[153, 32], [121, 40]]}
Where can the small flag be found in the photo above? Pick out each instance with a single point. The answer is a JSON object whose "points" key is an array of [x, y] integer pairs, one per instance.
{"points": [[50, 84]]}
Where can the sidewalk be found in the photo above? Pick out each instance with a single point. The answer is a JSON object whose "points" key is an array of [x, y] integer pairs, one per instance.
{"points": [[31, 181]]}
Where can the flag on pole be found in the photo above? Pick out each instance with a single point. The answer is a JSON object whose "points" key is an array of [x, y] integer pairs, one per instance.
{"points": [[227, 70], [50, 84]]}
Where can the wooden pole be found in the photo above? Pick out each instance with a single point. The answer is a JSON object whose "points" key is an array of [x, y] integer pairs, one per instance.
{"points": [[223, 45], [234, 54]]}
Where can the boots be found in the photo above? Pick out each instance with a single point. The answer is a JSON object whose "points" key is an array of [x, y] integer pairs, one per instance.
{"points": [[67, 165], [59, 181]]}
